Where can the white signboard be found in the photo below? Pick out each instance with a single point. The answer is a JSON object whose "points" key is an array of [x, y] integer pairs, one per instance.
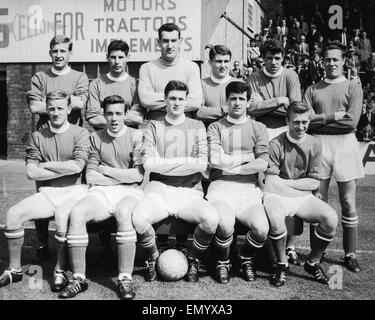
{"points": [[368, 156], [27, 26]]}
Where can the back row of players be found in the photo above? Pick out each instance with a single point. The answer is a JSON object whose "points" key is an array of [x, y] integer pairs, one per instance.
{"points": [[176, 150]]}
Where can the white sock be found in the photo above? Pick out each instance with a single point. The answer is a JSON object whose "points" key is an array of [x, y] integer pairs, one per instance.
{"points": [[124, 275]]}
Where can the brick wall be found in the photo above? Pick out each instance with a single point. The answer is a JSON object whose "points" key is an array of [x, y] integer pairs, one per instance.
{"points": [[19, 116]]}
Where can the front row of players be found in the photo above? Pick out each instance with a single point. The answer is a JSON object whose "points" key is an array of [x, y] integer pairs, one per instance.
{"points": [[176, 151]]}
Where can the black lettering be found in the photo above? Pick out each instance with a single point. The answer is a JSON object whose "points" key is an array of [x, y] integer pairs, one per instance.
{"points": [[21, 26], [366, 157], [133, 45], [68, 16], [57, 21], [121, 5], [145, 46], [172, 5], [101, 47], [158, 21], [146, 5], [156, 45], [145, 19], [79, 25], [182, 23], [132, 29], [188, 46], [122, 25], [109, 24], [159, 3], [99, 20], [171, 20], [109, 5], [134, 2]]}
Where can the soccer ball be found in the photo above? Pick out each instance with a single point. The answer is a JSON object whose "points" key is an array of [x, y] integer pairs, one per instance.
{"points": [[172, 265]]}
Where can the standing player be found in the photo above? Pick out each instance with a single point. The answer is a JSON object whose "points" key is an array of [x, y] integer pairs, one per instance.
{"points": [[238, 150], [59, 77], [214, 102], [154, 75], [337, 106], [116, 82], [293, 174], [114, 172], [55, 159], [272, 89], [175, 154]]}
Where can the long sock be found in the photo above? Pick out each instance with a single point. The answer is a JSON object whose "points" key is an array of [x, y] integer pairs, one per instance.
{"points": [[146, 241], [126, 250], [251, 246], [223, 244], [313, 239], [319, 246], [41, 227], [279, 244], [201, 242], [77, 245], [61, 250], [350, 226], [15, 238]]}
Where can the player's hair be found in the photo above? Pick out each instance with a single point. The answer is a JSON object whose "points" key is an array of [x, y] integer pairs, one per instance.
{"points": [[297, 107], [237, 87], [271, 46], [169, 27], [114, 99], [57, 95], [175, 85], [219, 49], [118, 45], [61, 39], [334, 45]]}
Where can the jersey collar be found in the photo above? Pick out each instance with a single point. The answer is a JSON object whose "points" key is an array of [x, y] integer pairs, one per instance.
{"points": [[61, 72], [119, 79], [337, 80], [236, 121], [273, 75], [62, 129], [175, 122], [223, 80], [118, 134], [292, 140]]}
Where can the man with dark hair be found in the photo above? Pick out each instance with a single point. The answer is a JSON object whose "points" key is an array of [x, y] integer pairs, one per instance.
{"points": [[175, 154], [237, 71], [154, 75], [114, 172], [272, 89], [336, 103], [238, 150], [56, 156], [59, 77], [292, 175], [116, 82]]}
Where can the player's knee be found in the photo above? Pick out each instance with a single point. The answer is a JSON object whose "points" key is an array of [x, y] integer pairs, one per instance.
{"points": [[329, 221], [15, 217], [226, 225], [210, 221], [139, 221], [124, 218], [61, 220], [77, 218], [348, 204], [260, 229]]}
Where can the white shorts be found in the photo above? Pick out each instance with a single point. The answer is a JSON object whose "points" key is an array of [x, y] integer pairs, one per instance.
{"points": [[58, 196], [239, 196], [291, 205], [171, 198], [341, 157], [272, 133], [110, 196]]}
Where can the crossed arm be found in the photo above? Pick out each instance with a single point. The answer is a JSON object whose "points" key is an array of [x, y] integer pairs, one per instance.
{"points": [[289, 187], [51, 170], [108, 176]]}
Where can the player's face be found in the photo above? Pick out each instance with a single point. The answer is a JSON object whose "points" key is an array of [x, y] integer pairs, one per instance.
{"points": [[298, 124], [237, 104], [115, 116], [175, 103], [333, 63], [273, 62], [58, 111], [117, 60], [220, 65], [169, 45], [60, 55]]}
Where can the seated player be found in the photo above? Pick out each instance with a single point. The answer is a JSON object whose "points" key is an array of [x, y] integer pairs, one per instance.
{"points": [[291, 178], [116, 82], [114, 174], [175, 154], [56, 156], [238, 150]]}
